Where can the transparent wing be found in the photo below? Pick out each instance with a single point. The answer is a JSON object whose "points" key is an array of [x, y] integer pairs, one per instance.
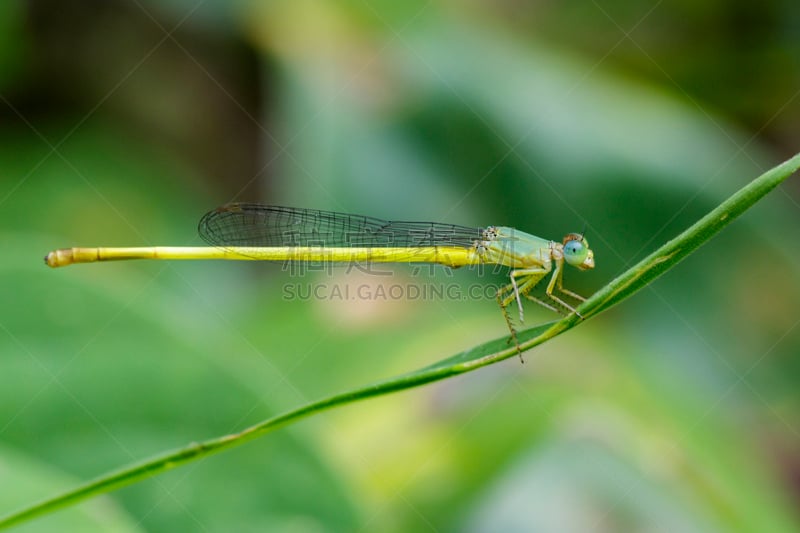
{"points": [[244, 224]]}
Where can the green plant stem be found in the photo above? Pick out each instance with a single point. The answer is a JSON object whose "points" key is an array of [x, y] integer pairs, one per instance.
{"points": [[624, 286]]}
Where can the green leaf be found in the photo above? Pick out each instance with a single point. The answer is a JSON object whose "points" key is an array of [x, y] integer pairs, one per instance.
{"points": [[624, 286]]}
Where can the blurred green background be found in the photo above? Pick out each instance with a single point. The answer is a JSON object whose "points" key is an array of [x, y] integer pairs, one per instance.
{"points": [[122, 122]]}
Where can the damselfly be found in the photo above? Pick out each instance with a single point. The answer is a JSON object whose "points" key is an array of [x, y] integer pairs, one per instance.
{"points": [[270, 233]]}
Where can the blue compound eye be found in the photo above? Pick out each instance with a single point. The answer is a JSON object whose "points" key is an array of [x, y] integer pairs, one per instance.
{"points": [[575, 252]]}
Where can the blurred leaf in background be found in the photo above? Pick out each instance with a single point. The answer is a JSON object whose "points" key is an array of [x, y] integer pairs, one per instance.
{"points": [[122, 122]]}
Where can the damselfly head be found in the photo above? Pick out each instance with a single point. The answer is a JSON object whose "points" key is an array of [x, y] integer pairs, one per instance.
{"points": [[577, 252]]}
